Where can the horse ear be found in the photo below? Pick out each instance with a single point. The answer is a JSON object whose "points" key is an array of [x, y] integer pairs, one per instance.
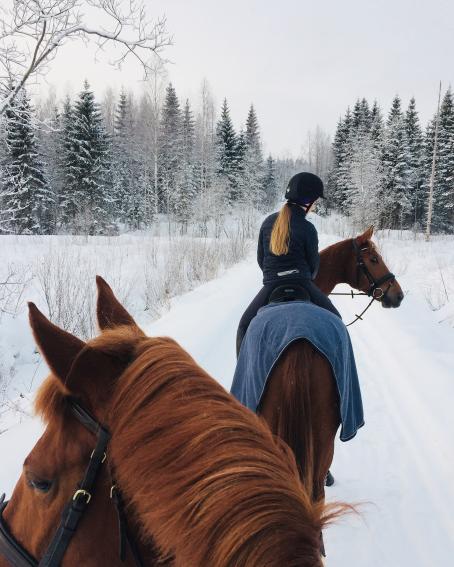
{"points": [[366, 236], [109, 310], [58, 347], [92, 376], [86, 371]]}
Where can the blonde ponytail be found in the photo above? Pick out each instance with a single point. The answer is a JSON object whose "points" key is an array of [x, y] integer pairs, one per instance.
{"points": [[280, 234]]}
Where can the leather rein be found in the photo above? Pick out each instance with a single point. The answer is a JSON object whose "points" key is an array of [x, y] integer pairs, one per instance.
{"points": [[18, 556], [375, 290]]}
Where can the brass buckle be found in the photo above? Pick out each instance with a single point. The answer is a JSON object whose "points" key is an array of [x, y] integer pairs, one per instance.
{"points": [[81, 492]]}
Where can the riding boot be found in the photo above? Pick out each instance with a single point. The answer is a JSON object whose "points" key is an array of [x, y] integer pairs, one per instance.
{"points": [[322, 546], [329, 480], [239, 339]]}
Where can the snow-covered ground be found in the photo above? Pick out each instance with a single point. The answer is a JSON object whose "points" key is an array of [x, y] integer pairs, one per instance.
{"points": [[401, 464], [57, 273]]}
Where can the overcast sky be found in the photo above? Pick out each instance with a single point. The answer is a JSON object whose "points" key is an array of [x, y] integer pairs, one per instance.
{"points": [[300, 62]]}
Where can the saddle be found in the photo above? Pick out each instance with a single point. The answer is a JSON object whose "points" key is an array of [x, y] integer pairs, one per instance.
{"points": [[290, 292]]}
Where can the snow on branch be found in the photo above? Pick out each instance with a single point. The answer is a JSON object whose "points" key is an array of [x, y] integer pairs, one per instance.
{"points": [[32, 32], [12, 286]]}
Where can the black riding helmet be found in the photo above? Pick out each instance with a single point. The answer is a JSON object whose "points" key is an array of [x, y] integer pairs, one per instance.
{"points": [[304, 188]]}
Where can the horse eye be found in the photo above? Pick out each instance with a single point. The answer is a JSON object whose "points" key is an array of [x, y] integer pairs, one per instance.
{"points": [[39, 484], [374, 260]]}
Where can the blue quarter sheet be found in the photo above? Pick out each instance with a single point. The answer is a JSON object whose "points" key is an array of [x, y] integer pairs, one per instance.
{"points": [[274, 328]]}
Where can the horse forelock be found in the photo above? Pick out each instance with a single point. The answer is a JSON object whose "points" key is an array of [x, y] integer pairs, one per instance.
{"points": [[370, 246], [51, 399], [52, 396], [120, 342], [192, 461]]}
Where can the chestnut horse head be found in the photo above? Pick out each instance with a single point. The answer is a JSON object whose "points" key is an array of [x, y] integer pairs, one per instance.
{"points": [[71, 402], [199, 473], [358, 262]]}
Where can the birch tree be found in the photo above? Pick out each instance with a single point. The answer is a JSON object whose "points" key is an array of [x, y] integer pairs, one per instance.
{"points": [[32, 32], [363, 197]]}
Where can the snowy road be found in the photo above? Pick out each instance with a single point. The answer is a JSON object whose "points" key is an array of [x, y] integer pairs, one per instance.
{"points": [[400, 464]]}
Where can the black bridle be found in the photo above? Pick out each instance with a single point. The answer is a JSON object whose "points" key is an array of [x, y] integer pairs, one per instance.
{"points": [[375, 290], [13, 551]]}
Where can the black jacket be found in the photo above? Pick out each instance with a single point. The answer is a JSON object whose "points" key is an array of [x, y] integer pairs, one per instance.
{"points": [[302, 260]]}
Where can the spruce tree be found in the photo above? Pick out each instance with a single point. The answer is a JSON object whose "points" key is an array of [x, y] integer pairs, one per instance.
{"points": [[358, 171], [367, 115], [146, 137], [27, 201], [270, 184], [89, 180], [339, 180], [188, 185], [332, 188], [395, 195], [361, 116], [443, 200], [129, 193], [241, 147], [170, 152], [415, 157], [377, 127], [121, 164], [252, 164], [50, 142], [252, 129], [67, 201], [227, 153], [446, 207]]}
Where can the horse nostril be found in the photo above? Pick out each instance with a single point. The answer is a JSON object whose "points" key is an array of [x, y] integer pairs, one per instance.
{"points": [[400, 296]]}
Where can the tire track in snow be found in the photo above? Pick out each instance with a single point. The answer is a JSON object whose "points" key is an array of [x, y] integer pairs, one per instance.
{"points": [[407, 473]]}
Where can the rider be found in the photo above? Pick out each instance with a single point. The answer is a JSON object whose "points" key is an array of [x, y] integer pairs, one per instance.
{"points": [[288, 249]]}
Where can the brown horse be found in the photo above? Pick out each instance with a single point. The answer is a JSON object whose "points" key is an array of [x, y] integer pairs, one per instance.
{"points": [[199, 474], [300, 402]]}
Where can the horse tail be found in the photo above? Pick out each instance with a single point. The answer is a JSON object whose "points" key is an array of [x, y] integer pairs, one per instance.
{"points": [[291, 383]]}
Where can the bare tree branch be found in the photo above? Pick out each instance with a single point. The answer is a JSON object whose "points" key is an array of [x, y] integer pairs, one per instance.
{"points": [[32, 32]]}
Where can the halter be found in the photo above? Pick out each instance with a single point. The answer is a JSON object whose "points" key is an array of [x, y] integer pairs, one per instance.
{"points": [[13, 551]]}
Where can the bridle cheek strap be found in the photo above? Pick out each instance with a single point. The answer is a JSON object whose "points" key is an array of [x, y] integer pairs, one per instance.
{"points": [[375, 285], [73, 511], [11, 549]]}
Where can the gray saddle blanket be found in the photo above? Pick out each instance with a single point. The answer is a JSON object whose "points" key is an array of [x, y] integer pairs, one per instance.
{"points": [[274, 328]]}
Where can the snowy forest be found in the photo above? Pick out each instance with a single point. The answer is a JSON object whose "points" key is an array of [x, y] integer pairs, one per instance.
{"points": [[381, 168], [83, 167]]}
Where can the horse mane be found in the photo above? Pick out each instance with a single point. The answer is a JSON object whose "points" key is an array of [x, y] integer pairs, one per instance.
{"points": [[204, 475], [342, 243]]}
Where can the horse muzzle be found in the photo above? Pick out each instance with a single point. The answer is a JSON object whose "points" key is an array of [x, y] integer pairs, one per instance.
{"points": [[392, 300]]}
